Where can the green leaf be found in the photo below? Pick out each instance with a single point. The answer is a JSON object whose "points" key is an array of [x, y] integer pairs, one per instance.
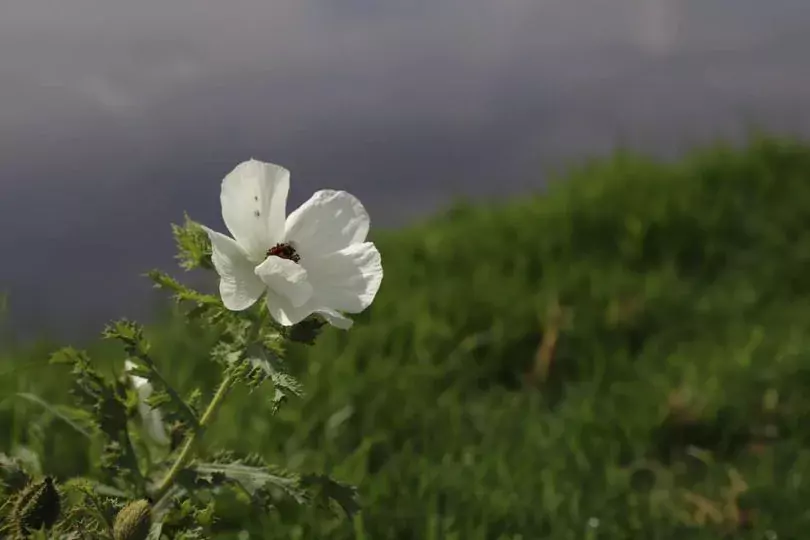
{"points": [[91, 506], [267, 365], [13, 473], [259, 366], [164, 396], [326, 489], [106, 403], [179, 516], [203, 307], [254, 480], [181, 292], [193, 245], [80, 420], [269, 484], [90, 486]]}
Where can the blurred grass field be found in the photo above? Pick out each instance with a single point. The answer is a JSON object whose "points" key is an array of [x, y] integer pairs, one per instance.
{"points": [[625, 356]]}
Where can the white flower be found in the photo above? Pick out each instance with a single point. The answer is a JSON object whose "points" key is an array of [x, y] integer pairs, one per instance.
{"points": [[316, 260], [151, 418]]}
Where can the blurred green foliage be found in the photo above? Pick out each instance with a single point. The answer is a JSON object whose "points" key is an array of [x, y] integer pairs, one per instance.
{"points": [[625, 356]]}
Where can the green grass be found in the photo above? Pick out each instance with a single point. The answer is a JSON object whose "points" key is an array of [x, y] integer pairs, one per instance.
{"points": [[682, 363]]}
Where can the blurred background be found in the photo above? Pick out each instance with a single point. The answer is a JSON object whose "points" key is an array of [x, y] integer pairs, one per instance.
{"points": [[116, 117]]}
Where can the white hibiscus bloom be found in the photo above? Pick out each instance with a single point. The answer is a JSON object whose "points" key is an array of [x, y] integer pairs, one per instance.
{"points": [[151, 418], [316, 260]]}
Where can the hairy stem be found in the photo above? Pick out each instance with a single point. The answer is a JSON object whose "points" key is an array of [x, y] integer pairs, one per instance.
{"points": [[187, 453]]}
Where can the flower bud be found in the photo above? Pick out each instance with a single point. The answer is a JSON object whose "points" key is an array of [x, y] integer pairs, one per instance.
{"points": [[133, 521], [37, 506]]}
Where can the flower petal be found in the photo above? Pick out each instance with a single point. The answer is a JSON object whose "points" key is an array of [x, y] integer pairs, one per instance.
{"points": [[336, 319], [347, 280], [151, 418], [238, 285], [287, 278], [154, 426], [254, 199], [328, 222], [284, 312], [137, 382]]}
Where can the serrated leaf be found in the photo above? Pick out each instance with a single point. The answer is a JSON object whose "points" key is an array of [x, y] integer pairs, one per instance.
{"points": [[28, 458], [90, 486], [13, 474], [164, 396], [106, 403], [328, 489], [227, 354], [69, 356], [262, 481], [193, 245], [266, 365], [247, 358], [253, 479], [203, 306]]}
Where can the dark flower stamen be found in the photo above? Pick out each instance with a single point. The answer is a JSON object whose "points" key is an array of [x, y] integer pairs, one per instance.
{"points": [[285, 251]]}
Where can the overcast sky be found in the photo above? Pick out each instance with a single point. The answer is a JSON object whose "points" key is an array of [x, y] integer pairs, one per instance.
{"points": [[116, 116]]}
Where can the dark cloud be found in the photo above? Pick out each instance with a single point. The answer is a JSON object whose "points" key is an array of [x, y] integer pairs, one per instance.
{"points": [[115, 117]]}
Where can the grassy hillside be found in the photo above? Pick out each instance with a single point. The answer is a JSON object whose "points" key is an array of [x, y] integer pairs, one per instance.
{"points": [[627, 356]]}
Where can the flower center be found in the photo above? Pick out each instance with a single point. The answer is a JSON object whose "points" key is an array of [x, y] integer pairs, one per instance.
{"points": [[285, 251]]}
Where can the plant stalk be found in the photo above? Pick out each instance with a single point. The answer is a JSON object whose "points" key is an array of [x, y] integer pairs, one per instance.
{"points": [[187, 453]]}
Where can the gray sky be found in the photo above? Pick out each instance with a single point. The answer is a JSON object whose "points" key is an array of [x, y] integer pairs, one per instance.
{"points": [[116, 116]]}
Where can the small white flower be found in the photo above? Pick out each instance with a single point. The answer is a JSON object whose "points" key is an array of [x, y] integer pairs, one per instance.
{"points": [[316, 260], [151, 418]]}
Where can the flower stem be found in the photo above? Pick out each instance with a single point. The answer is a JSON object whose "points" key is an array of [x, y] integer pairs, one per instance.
{"points": [[187, 453]]}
